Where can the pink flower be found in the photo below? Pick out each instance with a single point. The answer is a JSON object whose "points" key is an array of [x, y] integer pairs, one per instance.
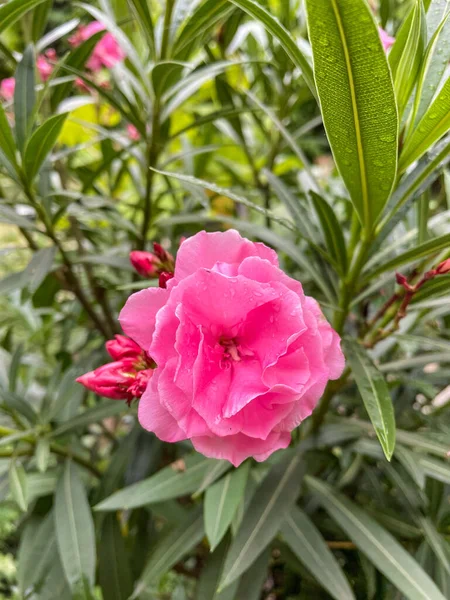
{"points": [[107, 51], [111, 380], [44, 67], [123, 347], [7, 87], [242, 354], [386, 39], [133, 133]]}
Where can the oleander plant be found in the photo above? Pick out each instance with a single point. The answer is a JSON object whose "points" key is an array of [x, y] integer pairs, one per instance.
{"points": [[225, 300]]}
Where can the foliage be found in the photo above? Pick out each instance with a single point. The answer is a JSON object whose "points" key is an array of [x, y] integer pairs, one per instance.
{"points": [[235, 108]]}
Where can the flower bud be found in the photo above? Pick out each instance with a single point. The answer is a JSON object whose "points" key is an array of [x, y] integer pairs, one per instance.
{"points": [[145, 263], [401, 280], [162, 254], [111, 380], [443, 267], [164, 277], [139, 385], [123, 347]]}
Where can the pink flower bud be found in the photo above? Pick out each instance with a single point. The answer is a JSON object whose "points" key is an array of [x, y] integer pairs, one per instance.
{"points": [[164, 277], [133, 133], [401, 280], [123, 347], [145, 263], [386, 39], [111, 380], [162, 254], [43, 65], [443, 267], [139, 385]]}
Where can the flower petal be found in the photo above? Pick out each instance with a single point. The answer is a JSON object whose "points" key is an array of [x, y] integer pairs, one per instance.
{"points": [[138, 316]]}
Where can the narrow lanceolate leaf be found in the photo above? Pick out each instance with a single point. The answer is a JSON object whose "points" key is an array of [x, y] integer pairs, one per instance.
{"points": [[264, 516], [386, 553], [40, 144], [434, 124], [75, 531], [436, 58], [18, 485], [39, 267], [306, 541], [179, 479], [12, 11], [406, 55], [114, 571], [92, 415], [437, 542], [420, 251], [7, 144], [24, 96], [258, 12], [334, 238], [141, 11], [375, 394], [357, 100], [170, 549], [221, 502]]}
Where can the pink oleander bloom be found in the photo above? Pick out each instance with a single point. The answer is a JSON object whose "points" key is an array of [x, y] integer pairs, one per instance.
{"points": [[123, 347], [242, 355], [7, 87], [44, 67], [107, 51], [386, 39], [133, 133], [111, 380], [144, 263]]}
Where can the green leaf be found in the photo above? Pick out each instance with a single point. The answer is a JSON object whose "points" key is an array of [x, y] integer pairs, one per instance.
{"points": [[436, 58], [376, 543], [170, 549], [9, 215], [13, 10], [92, 415], [178, 479], [332, 231], [434, 124], [141, 11], [18, 485], [306, 541], [114, 571], [435, 469], [40, 19], [37, 545], [357, 100], [405, 57], [40, 144], [75, 531], [210, 575], [421, 251], [7, 144], [375, 394], [24, 97], [41, 484], [221, 502], [42, 454], [39, 267], [437, 542], [265, 514], [252, 581], [273, 26]]}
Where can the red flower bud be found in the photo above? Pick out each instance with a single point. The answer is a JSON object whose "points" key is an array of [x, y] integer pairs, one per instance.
{"points": [[123, 347], [162, 254], [443, 267], [145, 263], [139, 385], [111, 380], [164, 278]]}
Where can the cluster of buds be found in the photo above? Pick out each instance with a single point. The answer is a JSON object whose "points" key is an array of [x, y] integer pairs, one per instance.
{"points": [[158, 263], [124, 379], [442, 269]]}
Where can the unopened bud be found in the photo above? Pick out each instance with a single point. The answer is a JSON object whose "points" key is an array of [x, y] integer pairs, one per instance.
{"points": [[111, 380], [123, 347], [443, 267], [164, 278], [145, 263]]}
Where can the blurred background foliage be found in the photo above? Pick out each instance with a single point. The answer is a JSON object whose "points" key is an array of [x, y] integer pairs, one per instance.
{"points": [[209, 123]]}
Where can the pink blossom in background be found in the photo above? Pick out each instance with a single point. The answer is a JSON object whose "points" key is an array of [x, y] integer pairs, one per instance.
{"points": [[242, 355], [43, 64], [107, 51], [386, 39], [133, 133], [7, 87]]}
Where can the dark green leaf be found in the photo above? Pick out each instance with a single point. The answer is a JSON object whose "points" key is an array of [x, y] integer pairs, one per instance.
{"points": [[114, 571], [357, 100], [13, 10], [40, 144], [92, 415], [75, 531], [7, 144], [375, 394], [24, 97], [18, 485], [332, 231], [265, 514]]}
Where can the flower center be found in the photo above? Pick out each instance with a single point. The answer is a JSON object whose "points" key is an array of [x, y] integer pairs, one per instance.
{"points": [[232, 351]]}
